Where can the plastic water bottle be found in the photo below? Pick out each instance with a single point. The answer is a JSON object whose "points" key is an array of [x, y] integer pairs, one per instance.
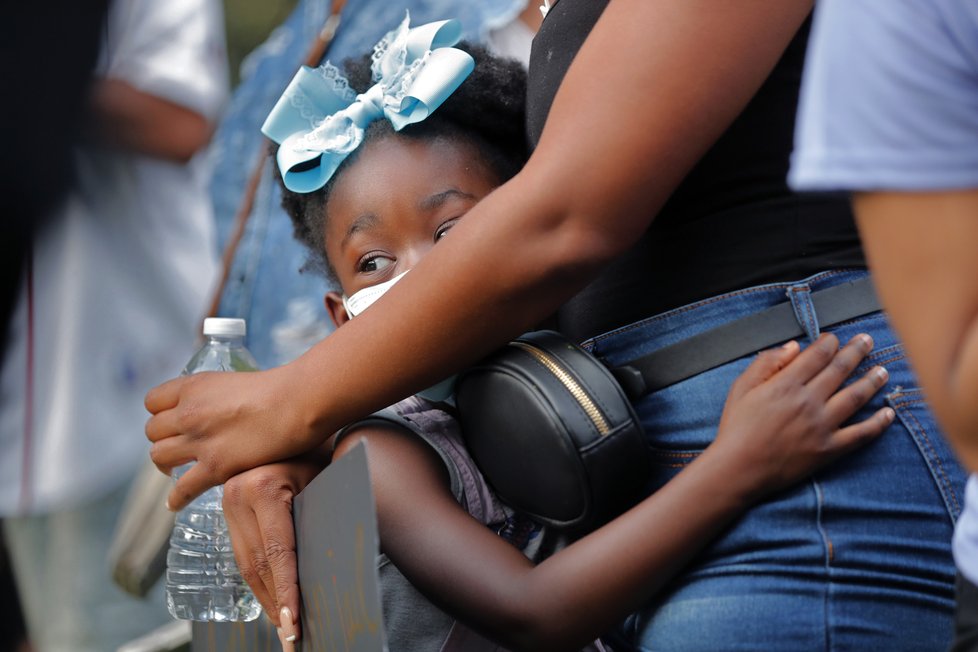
{"points": [[202, 578]]}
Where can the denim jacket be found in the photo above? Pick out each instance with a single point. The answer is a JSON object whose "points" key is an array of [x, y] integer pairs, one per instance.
{"points": [[269, 284]]}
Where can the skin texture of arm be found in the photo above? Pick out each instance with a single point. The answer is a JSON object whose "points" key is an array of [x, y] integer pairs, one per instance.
{"points": [[125, 117], [524, 250], [921, 248], [572, 597]]}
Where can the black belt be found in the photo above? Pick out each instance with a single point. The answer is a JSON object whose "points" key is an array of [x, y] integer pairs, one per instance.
{"points": [[733, 340]]}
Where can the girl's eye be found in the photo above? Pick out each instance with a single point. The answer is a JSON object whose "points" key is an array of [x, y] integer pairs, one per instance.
{"points": [[445, 228], [373, 263]]}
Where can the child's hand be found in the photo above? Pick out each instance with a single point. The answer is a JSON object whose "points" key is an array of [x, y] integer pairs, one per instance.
{"points": [[783, 415]]}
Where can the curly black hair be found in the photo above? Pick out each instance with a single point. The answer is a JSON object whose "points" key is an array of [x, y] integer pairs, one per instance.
{"points": [[487, 111]]}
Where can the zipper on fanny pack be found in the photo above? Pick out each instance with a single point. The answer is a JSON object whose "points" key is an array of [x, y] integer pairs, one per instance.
{"points": [[570, 384]]}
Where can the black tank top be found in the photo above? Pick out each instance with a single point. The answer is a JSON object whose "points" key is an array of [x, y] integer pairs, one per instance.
{"points": [[732, 223]]}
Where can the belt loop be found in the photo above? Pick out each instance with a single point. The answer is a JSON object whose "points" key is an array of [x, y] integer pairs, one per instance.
{"points": [[800, 296]]}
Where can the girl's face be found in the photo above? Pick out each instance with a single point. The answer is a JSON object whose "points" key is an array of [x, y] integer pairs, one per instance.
{"points": [[393, 204]]}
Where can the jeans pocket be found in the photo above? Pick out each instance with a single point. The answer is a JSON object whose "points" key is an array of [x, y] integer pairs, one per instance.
{"points": [[912, 411], [913, 414]]}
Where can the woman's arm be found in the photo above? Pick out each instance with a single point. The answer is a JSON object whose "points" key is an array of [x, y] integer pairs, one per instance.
{"points": [[776, 428], [921, 247], [654, 85]]}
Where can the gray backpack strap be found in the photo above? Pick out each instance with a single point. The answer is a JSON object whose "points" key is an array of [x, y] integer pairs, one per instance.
{"points": [[388, 417]]}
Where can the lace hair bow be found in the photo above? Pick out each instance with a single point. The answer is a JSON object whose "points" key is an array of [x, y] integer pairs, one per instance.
{"points": [[319, 119]]}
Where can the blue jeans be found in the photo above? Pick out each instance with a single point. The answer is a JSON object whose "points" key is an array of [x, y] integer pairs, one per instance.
{"points": [[857, 557]]}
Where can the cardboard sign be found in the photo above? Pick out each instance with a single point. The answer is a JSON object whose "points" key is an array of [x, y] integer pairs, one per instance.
{"points": [[256, 636], [337, 546]]}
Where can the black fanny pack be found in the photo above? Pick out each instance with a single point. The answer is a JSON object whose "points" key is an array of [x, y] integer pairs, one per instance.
{"points": [[552, 427]]}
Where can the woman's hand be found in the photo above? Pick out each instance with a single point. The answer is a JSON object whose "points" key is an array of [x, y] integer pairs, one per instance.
{"points": [[783, 416], [258, 510], [228, 423]]}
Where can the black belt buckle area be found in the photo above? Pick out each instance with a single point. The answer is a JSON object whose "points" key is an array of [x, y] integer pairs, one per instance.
{"points": [[704, 351]]}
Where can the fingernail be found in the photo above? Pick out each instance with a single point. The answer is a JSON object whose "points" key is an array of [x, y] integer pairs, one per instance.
{"points": [[888, 414], [789, 345], [288, 625], [166, 503], [882, 374], [866, 341]]}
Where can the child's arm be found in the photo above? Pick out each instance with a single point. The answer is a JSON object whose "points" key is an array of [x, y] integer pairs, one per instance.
{"points": [[777, 427]]}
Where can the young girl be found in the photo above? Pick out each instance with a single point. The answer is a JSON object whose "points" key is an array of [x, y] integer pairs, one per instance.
{"points": [[386, 205]]}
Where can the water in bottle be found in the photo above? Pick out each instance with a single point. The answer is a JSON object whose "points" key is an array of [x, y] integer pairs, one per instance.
{"points": [[202, 578]]}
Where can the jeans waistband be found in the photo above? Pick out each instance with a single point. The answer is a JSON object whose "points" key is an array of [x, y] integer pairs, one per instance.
{"points": [[643, 337]]}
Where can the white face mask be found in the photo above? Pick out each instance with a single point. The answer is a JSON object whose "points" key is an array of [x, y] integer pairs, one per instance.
{"points": [[363, 299]]}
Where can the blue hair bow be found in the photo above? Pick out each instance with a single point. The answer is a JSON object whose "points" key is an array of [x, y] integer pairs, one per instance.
{"points": [[319, 119]]}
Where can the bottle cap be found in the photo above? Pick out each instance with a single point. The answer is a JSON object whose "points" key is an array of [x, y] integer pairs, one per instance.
{"points": [[224, 326]]}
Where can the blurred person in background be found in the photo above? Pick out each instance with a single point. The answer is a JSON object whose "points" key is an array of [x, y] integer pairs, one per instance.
{"points": [[890, 111], [35, 166], [112, 295], [51, 120], [268, 282]]}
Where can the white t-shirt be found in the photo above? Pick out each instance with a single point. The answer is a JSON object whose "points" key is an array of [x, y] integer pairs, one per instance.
{"points": [[112, 302], [889, 101], [890, 97]]}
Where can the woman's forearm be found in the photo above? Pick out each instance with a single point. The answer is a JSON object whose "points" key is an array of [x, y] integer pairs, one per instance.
{"points": [[625, 127], [650, 91]]}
